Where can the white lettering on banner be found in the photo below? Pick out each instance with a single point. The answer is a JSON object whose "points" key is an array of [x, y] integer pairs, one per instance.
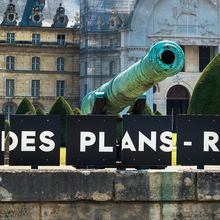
{"points": [[165, 140], [102, 147], [84, 142], [144, 140], [127, 142], [25, 140], [14, 138], [210, 138], [165, 137], [47, 141], [28, 137], [3, 141]]}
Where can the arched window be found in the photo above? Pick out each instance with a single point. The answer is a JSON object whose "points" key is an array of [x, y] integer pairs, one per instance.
{"points": [[35, 63], [60, 64], [9, 110], [86, 68], [10, 63], [112, 68]]}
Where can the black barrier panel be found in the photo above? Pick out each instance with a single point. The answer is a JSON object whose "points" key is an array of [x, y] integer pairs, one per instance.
{"points": [[35, 140], [198, 140], [2, 122], [147, 140], [91, 140]]}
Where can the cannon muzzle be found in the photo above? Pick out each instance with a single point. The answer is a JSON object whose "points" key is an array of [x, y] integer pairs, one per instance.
{"points": [[164, 59]]}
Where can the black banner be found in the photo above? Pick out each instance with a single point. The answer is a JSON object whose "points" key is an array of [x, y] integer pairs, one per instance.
{"points": [[147, 140], [35, 140], [91, 140], [2, 122], [198, 140]]}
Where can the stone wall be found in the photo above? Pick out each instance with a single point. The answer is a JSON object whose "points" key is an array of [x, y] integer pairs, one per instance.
{"points": [[101, 194]]}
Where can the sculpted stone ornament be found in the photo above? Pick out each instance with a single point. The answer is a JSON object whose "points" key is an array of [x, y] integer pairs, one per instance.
{"points": [[164, 59], [60, 19], [115, 21], [10, 15], [77, 19], [36, 16]]}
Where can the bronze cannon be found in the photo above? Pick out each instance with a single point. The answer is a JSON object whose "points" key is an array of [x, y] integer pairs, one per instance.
{"points": [[164, 59]]}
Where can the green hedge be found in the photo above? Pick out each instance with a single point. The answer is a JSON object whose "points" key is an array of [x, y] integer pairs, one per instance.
{"points": [[26, 107], [40, 111], [62, 108], [206, 95], [77, 111]]}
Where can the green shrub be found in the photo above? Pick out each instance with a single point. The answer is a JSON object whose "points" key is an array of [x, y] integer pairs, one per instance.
{"points": [[26, 107], [7, 127], [119, 129], [7, 141], [77, 111], [147, 109], [157, 113], [205, 98], [40, 111], [62, 108]]}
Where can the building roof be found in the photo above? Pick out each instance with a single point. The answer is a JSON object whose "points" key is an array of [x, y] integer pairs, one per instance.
{"points": [[48, 9]]}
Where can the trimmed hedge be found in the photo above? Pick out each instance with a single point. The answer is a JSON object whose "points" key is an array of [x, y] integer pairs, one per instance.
{"points": [[77, 111], [26, 107], [62, 108], [7, 127], [119, 129], [40, 111], [157, 112], [147, 109], [205, 98]]}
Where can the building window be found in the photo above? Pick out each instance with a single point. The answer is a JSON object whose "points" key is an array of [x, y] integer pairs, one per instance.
{"points": [[9, 110], [60, 39], [9, 87], [112, 68], [35, 88], [86, 68], [85, 89], [35, 63], [113, 43], [60, 64], [60, 88], [35, 38], [10, 38], [10, 63], [204, 57]]}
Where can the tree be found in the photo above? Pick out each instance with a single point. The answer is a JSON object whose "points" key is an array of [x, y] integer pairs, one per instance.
{"points": [[40, 111], [119, 129], [157, 112], [7, 127], [77, 111], [147, 109], [26, 107], [205, 98], [62, 108]]}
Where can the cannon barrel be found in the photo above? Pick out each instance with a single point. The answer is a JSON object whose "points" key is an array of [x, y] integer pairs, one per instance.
{"points": [[164, 59]]}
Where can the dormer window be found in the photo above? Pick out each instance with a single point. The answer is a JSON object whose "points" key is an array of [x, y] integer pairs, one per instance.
{"points": [[10, 15], [60, 19], [36, 17]]}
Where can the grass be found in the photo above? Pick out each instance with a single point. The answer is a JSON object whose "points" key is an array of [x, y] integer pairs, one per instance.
{"points": [[63, 153]]}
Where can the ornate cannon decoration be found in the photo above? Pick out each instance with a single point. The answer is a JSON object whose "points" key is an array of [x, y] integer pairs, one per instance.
{"points": [[164, 59]]}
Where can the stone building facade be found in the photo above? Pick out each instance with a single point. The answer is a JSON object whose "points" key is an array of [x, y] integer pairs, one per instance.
{"points": [[39, 56], [115, 34]]}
